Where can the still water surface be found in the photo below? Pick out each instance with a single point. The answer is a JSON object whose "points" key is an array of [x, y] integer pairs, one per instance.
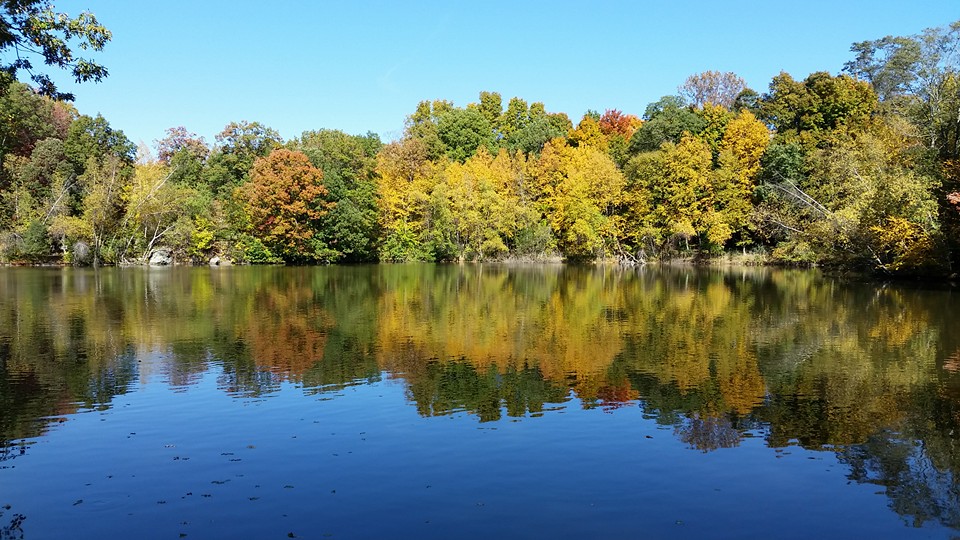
{"points": [[476, 402]]}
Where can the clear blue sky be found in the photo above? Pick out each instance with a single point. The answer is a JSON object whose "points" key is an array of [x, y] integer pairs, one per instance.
{"points": [[362, 66]]}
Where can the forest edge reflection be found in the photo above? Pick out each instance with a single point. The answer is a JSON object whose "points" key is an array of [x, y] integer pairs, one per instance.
{"points": [[863, 370]]}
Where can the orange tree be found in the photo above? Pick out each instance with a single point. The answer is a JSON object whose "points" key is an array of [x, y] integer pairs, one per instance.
{"points": [[284, 201]]}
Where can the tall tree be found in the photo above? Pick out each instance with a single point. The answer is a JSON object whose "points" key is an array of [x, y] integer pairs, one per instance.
{"points": [[463, 131], [919, 76], [514, 118], [285, 200], [665, 120], [491, 107], [94, 137], [712, 87], [423, 125], [236, 149], [348, 163], [32, 29]]}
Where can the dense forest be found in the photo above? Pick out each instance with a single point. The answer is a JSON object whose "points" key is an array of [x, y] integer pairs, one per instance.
{"points": [[859, 170]]}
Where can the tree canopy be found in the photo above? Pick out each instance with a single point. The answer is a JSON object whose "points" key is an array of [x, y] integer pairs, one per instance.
{"points": [[32, 30], [859, 169]]}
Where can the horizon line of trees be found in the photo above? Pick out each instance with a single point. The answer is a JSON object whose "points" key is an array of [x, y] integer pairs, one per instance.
{"points": [[859, 169]]}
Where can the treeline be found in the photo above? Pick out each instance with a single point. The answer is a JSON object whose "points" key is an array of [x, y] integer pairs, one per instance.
{"points": [[859, 170]]}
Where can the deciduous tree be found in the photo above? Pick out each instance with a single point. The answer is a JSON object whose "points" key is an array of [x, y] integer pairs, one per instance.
{"points": [[665, 121], [712, 87], [285, 200], [236, 149], [31, 29], [348, 163]]}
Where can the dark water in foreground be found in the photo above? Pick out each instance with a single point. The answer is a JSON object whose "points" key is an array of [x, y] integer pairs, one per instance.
{"points": [[475, 402]]}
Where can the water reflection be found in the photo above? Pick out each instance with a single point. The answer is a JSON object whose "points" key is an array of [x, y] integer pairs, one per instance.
{"points": [[868, 371]]}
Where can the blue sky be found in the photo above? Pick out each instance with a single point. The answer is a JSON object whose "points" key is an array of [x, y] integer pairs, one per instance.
{"points": [[362, 66]]}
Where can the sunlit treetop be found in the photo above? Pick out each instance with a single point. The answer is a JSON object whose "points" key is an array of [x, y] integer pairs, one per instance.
{"points": [[30, 30]]}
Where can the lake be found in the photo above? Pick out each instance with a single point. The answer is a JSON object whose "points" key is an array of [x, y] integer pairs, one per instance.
{"points": [[432, 401]]}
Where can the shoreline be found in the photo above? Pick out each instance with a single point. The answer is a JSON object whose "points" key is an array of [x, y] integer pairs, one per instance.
{"points": [[727, 260]]}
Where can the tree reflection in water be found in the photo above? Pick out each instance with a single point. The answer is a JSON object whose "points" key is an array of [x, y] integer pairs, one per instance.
{"points": [[708, 433], [864, 370]]}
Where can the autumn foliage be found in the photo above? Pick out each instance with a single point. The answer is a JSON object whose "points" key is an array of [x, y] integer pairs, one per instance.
{"points": [[954, 199], [855, 170], [284, 202], [614, 122]]}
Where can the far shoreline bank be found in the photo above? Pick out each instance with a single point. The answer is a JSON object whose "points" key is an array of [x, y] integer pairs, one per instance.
{"points": [[728, 260]]}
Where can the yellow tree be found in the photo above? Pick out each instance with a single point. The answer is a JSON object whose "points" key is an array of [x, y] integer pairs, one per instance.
{"points": [[155, 208], [686, 170], [589, 133], [587, 187], [677, 192], [406, 177], [483, 212], [744, 142], [746, 138], [640, 234]]}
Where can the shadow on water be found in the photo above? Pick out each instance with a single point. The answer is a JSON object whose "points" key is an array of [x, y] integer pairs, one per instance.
{"points": [[868, 371]]}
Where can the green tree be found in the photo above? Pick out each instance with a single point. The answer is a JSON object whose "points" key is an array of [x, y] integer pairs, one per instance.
{"points": [[747, 100], [40, 187], [888, 63], [665, 121], [93, 137], [463, 131], [514, 118], [919, 77], [25, 118], [236, 149], [868, 200], [32, 29], [531, 137], [348, 163], [491, 107], [185, 153], [806, 110], [423, 125]]}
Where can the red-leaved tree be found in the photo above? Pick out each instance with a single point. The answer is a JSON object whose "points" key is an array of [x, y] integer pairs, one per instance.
{"points": [[285, 200]]}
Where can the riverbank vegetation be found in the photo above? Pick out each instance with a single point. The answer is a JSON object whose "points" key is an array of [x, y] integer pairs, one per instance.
{"points": [[859, 170]]}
